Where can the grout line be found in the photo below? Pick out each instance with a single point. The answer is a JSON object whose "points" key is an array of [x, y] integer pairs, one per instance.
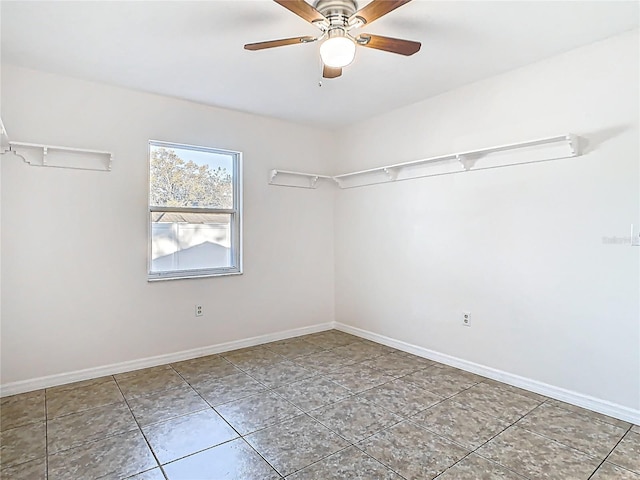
{"points": [[240, 435], [326, 456], [324, 375], [139, 427], [46, 437], [306, 413], [263, 458], [579, 450], [349, 444], [610, 452], [210, 406], [385, 466], [475, 450], [413, 422], [561, 404], [83, 410]]}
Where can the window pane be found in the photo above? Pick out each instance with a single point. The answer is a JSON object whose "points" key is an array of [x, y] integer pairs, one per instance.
{"points": [[190, 241], [184, 177]]}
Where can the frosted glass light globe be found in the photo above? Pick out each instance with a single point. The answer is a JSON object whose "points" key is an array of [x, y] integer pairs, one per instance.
{"points": [[337, 52]]}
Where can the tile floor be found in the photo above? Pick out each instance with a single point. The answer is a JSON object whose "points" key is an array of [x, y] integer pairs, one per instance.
{"points": [[323, 406]]}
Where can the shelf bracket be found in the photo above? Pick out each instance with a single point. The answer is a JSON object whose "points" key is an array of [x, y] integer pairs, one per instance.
{"points": [[463, 161], [37, 155], [286, 178], [392, 173]]}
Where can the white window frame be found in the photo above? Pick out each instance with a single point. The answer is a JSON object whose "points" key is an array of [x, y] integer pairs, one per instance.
{"points": [[235, 212]]}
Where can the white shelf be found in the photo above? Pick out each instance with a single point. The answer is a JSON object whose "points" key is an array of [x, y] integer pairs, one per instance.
{"points": [[60, 157], [285, 178], [540, 150], [544, 149]]}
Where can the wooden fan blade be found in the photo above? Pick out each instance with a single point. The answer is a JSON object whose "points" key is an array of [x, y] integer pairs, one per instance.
{"points": [[388, 44], [376, 9], [302, 9], [278, 43], [331, 72]]}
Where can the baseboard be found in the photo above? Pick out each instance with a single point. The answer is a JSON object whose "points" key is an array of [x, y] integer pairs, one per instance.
{"points": [[581, 400], [23, 386]]}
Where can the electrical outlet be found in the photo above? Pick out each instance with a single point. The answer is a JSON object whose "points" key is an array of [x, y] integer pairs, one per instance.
{"points": [[199, 311], [466, 319]]}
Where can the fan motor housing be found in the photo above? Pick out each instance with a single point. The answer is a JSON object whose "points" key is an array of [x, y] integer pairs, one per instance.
{"points": [[337, 11]]}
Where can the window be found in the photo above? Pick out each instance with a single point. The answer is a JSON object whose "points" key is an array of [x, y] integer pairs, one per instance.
{"points": [[194, 211]]}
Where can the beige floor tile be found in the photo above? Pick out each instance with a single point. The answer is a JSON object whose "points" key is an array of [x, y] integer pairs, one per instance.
{"points": [[457, 372], [323, 362], [609, 471], [358, 378], [384, 348], [350, 463], [415, 358], [415, 416], [359, 352], [312, 393], [154, 474], [474, 467], [148, 381], [401, 397], [519, 391], [398, 364], [22, 444], [62, 401], [32, 470], [118, 456], [89, 425], [590, 436], [535, 456], [292, 445], [257, 411], [18, 410], [227, 389], [330, 339], [233, 460], [204, 368], [466, 426], [279, 374], [443, 381], [80, 384], [355, 418], [412, 451], [253, 357], [294, 347], [182, 436], [627, 453], [166, 404], [589, 413], [496, 401]]}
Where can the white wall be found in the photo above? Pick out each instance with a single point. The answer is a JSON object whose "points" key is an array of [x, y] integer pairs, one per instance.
{"points": [[74, 243], [519, 247]]}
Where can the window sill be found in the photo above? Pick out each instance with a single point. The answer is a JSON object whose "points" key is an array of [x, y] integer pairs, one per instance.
{"points": [[186, 277]]}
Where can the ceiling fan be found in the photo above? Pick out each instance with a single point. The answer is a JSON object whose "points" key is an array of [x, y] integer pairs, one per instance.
{"points": [[336, 19]]}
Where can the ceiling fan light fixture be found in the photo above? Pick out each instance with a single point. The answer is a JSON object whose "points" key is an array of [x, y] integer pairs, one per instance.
{"points": [[338, 51]]}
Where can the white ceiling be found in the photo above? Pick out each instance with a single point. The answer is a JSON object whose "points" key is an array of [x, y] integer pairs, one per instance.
{"points": [[194, 50]]}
